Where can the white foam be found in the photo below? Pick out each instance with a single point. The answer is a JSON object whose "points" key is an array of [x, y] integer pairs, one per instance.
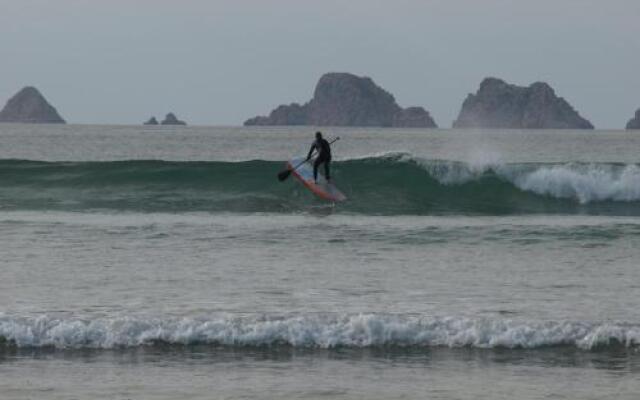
{"points": [[363, 330], [585, 183], [454, 172], [398, 155]]}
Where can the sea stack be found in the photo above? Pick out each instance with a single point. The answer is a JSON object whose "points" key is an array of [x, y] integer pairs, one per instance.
{"points": [[634, 123], [171, 119], [342, 99], [30, 106], [151, 121], [498, 104]]}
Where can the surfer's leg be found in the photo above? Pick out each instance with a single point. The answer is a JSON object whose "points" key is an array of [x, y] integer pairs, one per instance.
{"points": [[327, 174], [316, 164]]}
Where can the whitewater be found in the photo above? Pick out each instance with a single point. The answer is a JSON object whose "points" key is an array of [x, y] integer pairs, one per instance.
{"points": [[363, 330], [169, 262]]}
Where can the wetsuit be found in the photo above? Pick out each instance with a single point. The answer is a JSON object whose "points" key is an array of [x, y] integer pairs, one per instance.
{"points": [[324, 157]]}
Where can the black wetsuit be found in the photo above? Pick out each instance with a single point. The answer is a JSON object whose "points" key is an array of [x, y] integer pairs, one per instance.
{"points": [[324, 157]]}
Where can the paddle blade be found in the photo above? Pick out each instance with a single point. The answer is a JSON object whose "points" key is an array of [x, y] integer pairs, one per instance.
{"points": [[283, 175]]}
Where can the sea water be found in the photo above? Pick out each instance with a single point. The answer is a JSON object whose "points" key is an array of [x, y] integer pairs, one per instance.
{"points": [[169, 263]]}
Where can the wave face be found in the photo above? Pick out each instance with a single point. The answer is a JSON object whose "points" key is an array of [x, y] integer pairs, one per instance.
{"points": [[384, 185], [317, 331]]}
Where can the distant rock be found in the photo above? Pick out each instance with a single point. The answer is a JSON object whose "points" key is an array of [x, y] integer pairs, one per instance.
{"points": [[342, 99], [413, 117], [29, 106], [634, 123], [171, 119], [151, 121], [498, 104], [293, 114]]}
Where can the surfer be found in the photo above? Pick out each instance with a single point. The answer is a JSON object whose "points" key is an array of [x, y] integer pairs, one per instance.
{"points": [[324, 156]]}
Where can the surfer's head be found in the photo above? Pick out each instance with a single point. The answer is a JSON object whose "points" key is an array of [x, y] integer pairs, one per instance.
{"points": [[318, 135]]}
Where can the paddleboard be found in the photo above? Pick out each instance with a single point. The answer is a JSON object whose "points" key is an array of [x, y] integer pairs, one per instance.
{"points": [[323, 189]]}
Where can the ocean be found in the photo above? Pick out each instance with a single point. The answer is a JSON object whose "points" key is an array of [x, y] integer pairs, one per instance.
{"points": [[170, 263]]}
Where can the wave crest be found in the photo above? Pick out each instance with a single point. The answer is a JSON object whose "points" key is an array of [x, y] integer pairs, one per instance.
{"points": [[360, 331], [586, 183]]}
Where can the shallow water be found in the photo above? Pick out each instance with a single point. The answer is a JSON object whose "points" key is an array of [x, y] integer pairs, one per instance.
{"points": [[205, 372], [480, 265]]}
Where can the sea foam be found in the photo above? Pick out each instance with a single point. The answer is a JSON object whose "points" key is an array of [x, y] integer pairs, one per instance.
{"points": [[313, 331], [585, 183]]}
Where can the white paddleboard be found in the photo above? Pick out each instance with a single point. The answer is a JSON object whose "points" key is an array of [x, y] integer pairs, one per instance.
{"points": [[323, 189]]}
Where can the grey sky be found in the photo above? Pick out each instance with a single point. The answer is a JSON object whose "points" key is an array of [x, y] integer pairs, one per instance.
{"points": [[219, 62]]}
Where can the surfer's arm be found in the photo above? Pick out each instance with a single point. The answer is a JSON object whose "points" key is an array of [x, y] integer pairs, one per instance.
{"points": [[311, 150]]}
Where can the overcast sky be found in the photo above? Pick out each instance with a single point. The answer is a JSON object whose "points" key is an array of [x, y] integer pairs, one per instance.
{"points": [[219, 62]]}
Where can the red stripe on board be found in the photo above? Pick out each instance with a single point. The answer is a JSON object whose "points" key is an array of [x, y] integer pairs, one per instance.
{"points": [[311, 186]]}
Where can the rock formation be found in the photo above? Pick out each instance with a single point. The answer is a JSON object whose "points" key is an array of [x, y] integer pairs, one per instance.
{"points": [[151, 121], [413, 117], [171, 119], [293, 114], [634, 123], [29, 106], [342, 99], [498, 104]]}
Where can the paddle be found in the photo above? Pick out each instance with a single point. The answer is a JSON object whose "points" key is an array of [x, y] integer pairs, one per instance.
{"points": [[283, 175]]}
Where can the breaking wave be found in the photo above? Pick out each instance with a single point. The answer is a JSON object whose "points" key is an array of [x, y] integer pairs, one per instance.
{"points": [[315, 331], [388, 184]]}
